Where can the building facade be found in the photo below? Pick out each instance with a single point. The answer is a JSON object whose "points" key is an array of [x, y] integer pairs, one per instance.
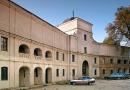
{"points": [[34, 52]]}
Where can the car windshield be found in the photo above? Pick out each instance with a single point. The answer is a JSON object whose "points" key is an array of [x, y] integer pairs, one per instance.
{"points": [[86, 78]]}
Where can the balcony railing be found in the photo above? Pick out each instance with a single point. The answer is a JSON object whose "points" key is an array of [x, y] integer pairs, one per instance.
{"points": [[49, 59], [38, 57], [23, 55]]}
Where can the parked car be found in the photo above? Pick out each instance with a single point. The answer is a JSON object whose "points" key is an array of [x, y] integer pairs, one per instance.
{"points": [[127, 75], [83, 80], [115, 76]]}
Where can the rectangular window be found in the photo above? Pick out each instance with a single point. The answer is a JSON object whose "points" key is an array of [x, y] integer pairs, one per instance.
{"points": [[103, 71], [119, 61], [85, 49], [57, 72], [4, 44], [85, 37], [125, 61], [95, 60], [73, 72], [95, 72], [63, 57], [73, 58], [57, 55], [4, 73], [111, 71], [63, 74], [111, 61], [124, 70]]}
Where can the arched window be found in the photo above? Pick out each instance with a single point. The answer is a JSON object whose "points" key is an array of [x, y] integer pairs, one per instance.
{"points": [[24, 49], [37, 52], [4, 73], [48, 54]]}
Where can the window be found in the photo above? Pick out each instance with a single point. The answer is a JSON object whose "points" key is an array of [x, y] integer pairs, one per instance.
{"points": [[57, 55], [95, 60], [63, 73], [125, 61], [63, 57], [36, 72], [37, 52], [24, 49], [111, 61], [4, 73], [48, 54], [73, 72], [85, 37], [119, 61], [103, 71], [73, 58], [85, 49], [4, 44], [57, 72], [95, 71], [124, 70], [119, 70], [111, 71]]}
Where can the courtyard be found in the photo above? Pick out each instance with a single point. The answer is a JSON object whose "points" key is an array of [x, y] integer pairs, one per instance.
{"points": [[99, 85]]}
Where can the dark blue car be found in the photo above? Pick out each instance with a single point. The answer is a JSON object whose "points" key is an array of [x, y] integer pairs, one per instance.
{"points": [[115, 76]]}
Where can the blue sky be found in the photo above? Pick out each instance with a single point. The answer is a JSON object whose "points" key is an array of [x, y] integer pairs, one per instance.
{"points": [[97, 12]]}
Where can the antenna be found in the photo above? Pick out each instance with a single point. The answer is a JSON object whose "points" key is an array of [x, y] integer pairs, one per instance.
{"points": [[73, 14]]}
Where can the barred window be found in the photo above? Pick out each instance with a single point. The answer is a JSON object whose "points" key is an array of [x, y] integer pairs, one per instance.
{"points": [[4, 73], [57, 55], [63, 56], [4, 44]]}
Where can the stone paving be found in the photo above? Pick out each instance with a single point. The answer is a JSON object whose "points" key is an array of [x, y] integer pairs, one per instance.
{"points": [[99, 85]]}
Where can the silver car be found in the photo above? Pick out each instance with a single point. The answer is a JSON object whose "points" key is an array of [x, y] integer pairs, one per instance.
{"points": [[83, 80]]}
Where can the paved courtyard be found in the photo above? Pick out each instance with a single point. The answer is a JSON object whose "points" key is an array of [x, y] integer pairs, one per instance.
{"points": [[99, 85]]}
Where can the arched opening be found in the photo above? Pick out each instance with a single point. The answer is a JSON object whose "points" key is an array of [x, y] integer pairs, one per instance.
{"points": [[48, 75], [48, 54], [85, 69], [37, 52], [37, 76], [24, 77], [24, 49]]}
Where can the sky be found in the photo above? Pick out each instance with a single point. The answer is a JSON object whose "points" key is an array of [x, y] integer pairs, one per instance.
{"points": [[98, 12]]}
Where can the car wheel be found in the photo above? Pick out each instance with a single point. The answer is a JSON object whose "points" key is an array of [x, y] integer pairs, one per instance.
{"points": [[88, 83], [74, 83]]}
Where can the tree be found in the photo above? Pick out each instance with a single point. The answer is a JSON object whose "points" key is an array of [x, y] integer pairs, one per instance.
{"points": [[119, 30]]}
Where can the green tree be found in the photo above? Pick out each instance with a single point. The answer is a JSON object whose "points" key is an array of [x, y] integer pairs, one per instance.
{"points": [[119, 30]]}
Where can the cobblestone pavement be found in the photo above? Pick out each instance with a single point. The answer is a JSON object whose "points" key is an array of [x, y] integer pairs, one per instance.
{"points": [[99, 85]]}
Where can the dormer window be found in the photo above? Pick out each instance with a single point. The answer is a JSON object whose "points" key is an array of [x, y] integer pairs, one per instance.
{"points": [[85, 37]]}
